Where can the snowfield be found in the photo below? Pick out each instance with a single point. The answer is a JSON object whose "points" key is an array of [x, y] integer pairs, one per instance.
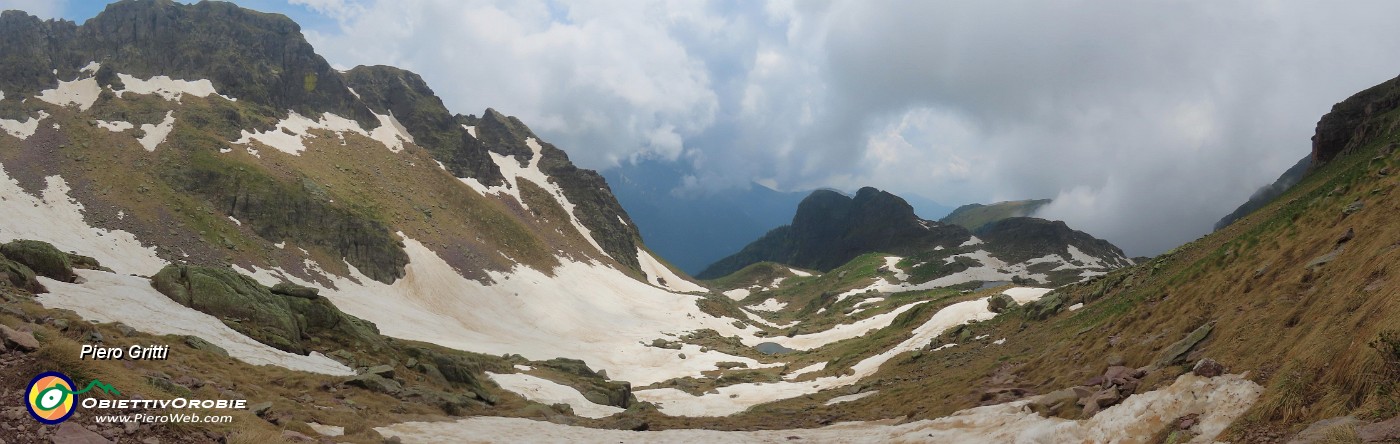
{"points": [[584, 311], [108, 297], [1218, 400]]}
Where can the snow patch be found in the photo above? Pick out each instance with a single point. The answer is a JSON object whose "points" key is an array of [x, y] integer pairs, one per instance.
{"points": [[155, 134], [799, 273], [1076, 306], [326, 430], [769, 305], [470, 130], [970, 242], [168, 88], [22, 130], [290, 134], [805, 370], [523, 368], [390, 132], [738, 293], [115, 126], [548, 392], [660, 276], [108, 297], [91, 68], [849, 398], [80, 92], [235, 221]]}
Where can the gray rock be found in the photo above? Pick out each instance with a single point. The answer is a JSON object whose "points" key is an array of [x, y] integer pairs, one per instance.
{"points": [[375, 383], [199, 343], [1176, 352], [1000, 303], [72, 433], [1116, 360], [22, 340], [382, 371], [124, 329], [1054, 403], [1319, 432], [1384, 431]]}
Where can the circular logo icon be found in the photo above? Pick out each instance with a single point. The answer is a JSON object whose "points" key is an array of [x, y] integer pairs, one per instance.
{"points": [[50, 397]]}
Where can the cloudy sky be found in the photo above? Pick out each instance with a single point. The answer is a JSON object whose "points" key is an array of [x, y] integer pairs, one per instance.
{"points": [[1146, 121]]}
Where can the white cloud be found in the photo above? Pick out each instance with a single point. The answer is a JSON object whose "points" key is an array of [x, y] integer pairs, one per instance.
{"points": [[607, 81], [1148, 120]]}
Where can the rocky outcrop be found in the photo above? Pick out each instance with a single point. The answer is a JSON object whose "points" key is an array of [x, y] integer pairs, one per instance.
{"points": [[404, 95], [1355, 121], [42, 258], [284, 322]]}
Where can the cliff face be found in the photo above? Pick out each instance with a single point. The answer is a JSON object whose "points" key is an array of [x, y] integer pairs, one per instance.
{"points": [[1355, 121]]}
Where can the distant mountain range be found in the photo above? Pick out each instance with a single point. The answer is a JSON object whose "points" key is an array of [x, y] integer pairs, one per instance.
{"points": [[830, 229], [696, 229]]}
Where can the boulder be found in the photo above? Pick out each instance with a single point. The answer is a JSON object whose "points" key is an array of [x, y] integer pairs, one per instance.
{"points": [[1208, 368], [1384, 431], [41, 257], [375, 383], [1054, 403], [20, 276], [1322, 431], [22, 340], [199, 343], [1000, 303], [383, 371], [72, 433], [1177, 352]]}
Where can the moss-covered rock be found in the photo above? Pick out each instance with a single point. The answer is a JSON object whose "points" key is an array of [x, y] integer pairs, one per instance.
{"points": [[42, 258], [294, 290], [20, 276], [286, 323]]}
